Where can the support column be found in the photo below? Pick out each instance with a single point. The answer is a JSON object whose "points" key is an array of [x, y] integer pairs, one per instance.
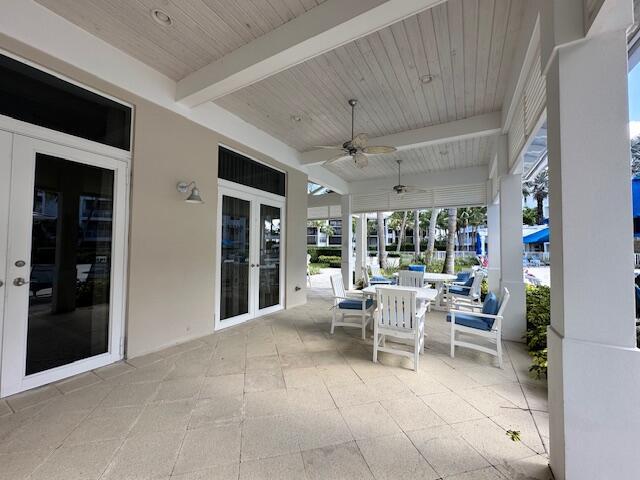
{"points": [[493, 246], [347, 242], [515, 322], [594, 366], [361, 244]]}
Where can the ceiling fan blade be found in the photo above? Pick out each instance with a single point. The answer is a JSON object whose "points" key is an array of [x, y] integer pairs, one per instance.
{"points": [[335, 159], [360, 140], [378, 150], [360, 160]]}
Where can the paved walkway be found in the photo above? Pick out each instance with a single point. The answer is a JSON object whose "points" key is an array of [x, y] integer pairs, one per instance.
{"points": [[280, 398]]}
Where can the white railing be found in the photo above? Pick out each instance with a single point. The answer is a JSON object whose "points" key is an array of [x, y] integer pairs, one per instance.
{"points": [[534, 259]]}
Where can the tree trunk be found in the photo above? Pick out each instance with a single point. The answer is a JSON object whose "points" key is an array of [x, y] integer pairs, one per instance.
{"points": [[449, 260], [432, 234], [416, 234], [540, 210], [382, 247], [402, 232]]}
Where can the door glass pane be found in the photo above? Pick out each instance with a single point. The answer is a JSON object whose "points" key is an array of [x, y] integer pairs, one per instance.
{"points": [[269, 290], [70, 275], [234, 278]]}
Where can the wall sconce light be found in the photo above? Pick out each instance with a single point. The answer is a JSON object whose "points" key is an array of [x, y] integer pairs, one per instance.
{"points": [[194, 195]]}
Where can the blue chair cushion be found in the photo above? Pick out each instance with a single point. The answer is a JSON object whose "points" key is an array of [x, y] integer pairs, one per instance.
{"points": [[459, 290], [491, 304], [472, 321], [386, 281], [416, 268], [468, 282], [354, 304], [463, 277], [378, 278]]}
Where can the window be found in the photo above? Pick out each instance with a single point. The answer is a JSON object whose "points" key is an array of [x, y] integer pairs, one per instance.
{"points": [[33, 96], [240, 169]]}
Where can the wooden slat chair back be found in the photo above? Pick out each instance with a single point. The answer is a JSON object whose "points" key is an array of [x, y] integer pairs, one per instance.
{"points": [[397, 316], [407, 278]]}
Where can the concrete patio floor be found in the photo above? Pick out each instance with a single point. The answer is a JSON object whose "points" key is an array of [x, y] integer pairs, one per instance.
{"points": [[280, 398]]}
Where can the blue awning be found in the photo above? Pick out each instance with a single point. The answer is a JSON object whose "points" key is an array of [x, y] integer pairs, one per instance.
{"points": [[541, 236], [635, 188]]}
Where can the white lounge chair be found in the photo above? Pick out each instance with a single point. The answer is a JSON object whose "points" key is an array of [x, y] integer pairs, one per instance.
{"points": [[360, 307], [484, 321], [397, 316]]}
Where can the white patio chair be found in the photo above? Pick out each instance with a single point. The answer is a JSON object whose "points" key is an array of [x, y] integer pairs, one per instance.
{"points": [[408, 278], [374, 280], [361, 307], [397, 316], [465, 295], [484, 321], [308, 270]]}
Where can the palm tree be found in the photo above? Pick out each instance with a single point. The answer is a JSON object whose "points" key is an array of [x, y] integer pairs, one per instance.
{"points": [[416, 233], [462, 224], [449, 259], [432, 234], [635, 156], [382, 247], [399, 225], [538, 188]]}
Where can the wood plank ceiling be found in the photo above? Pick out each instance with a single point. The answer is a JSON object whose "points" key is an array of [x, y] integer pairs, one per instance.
{"points": [[447, 63], [202, 31], [465, 46]]}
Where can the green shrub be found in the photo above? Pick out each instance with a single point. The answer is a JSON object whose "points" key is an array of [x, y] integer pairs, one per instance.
{"points": [[314, 268], [333, 261], [315, 252], [538, 318]]}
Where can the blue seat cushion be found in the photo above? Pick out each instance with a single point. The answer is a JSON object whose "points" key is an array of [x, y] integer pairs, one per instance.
{"points": [[416, 268], [472, 321], [491, 304], [354, 304], [468, 282], [378, 278], [459, 290], [463, 277]]}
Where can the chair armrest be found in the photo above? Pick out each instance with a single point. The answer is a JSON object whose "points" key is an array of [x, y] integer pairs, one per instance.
{"points": [[475, 314]]}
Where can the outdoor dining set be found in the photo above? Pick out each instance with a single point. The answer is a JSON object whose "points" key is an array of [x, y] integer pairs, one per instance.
{"points": [[397, 308]]}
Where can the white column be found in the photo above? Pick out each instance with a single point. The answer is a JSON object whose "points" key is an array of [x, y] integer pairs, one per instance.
{"points": [[515, 322], [493, 246], [594, 366], [361, 244], [347, 242]]}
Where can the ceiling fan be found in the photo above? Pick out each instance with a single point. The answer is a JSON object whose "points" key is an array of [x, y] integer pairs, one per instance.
{"points": [[356, 148], [401, 189]]}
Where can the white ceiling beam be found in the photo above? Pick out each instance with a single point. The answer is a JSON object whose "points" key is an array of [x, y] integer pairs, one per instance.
{"points": [[477, 126], [324, 177], [321, 29], [445, 178]]}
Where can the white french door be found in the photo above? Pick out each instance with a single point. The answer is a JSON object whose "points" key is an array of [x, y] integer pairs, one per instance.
{"points": [[63, 260], [250, 269]]}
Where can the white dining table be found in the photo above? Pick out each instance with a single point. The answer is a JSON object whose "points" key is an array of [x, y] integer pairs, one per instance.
{"points": [[422, 294], [438, 280]]}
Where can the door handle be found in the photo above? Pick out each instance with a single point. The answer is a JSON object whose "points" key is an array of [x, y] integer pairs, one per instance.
{"points": [[18, 282]]}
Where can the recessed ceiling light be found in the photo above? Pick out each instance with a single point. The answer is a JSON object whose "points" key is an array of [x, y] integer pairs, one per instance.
{"points": [[296, 118], [426, 79], [161, 17]]}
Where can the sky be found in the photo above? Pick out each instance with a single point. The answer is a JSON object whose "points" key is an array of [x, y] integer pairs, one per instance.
{"points": [[634, 101]]}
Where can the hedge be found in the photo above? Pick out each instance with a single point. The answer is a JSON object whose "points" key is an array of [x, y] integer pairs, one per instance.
{"points": [[538, 318], [332, 260], [315, 252]]}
